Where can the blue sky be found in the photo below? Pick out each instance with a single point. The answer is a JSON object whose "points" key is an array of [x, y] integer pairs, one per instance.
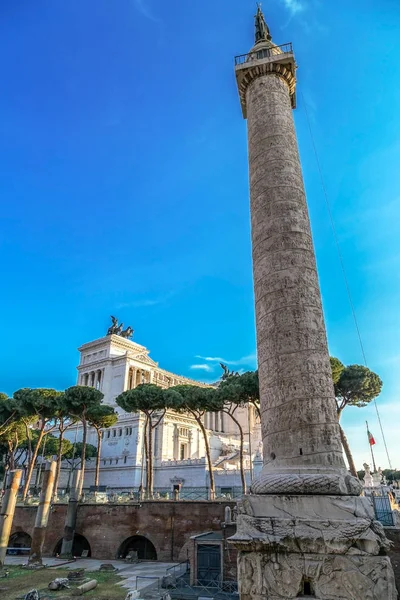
{"points": [[123, 183]]}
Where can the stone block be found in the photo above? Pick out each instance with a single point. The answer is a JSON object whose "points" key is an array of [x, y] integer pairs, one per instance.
{"points": [[268, 576], [331, 545]]}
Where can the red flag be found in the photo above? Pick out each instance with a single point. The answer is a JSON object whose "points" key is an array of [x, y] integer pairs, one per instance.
{"points": [[371, 439]]}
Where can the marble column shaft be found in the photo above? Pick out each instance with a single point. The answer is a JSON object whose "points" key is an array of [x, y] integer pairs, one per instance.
{"points": [[299, 422]]}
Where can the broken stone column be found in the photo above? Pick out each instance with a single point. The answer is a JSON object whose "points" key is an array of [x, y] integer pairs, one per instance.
{"points": [[42, 515], [7, 511], [70, 520], [304, 530]]}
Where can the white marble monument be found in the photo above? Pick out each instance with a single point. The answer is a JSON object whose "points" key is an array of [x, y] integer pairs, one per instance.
{"points": [[114, 364], [304, 531]]}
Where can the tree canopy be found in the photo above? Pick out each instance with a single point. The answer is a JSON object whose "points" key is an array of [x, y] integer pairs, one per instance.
{"points": [[7, 411], [192, 398], [102, 416], [80, 399], [91, 452], [49, 445], [355, 385], [146, 397], [39, 402], [337, 367]]}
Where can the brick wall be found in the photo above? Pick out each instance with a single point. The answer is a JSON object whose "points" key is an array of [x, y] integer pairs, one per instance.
{"points": [[168, 525]]}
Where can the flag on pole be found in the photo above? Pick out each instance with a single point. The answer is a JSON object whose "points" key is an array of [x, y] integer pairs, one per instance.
{"points": [[371, 438]]}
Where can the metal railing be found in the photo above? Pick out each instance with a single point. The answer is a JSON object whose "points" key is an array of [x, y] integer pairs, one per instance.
{"points": [[264, 53], [383, 510], [146, 581], [132, 496], [179, 569], [182, 589]]}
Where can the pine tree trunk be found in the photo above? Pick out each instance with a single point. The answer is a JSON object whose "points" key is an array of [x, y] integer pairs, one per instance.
{"points": [[6, 471], [99, 441], [58, 466], [28, 437], [31, 465], [11, 460], [150, 461], [83, 459], [208, 455], [241, 451], [347, 451], [146, 455], [257, 408]]}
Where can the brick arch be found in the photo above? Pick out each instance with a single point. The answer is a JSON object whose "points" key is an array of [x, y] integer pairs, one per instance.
{"points": [[141, 543], [185, 550], [19, 539], [81, 542]]}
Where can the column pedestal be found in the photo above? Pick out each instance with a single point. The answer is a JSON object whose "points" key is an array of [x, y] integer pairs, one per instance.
{"points": [[326, 547]]}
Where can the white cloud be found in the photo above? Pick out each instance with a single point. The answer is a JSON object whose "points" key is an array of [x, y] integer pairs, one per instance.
{"points": [[294, 6], [203, 367], [143, 302], [244, 360]]}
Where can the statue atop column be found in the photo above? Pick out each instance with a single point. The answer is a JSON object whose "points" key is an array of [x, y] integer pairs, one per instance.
{"points": [[262, 29], [118, 329]]}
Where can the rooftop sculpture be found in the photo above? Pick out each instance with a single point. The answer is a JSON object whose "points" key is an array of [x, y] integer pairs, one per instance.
{"points": [[118, 329]]}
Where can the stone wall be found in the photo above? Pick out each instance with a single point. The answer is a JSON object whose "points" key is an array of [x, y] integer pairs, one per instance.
{"points": [[168, 525]]}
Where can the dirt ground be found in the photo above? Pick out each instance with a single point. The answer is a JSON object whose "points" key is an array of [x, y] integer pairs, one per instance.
{"points": [[20, 581]]}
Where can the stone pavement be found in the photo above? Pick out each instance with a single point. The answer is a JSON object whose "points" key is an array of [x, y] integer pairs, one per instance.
{"points": [[134, 576]]}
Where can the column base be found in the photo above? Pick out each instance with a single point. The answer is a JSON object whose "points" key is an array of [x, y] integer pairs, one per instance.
{"points": [[304, 481], [326, 547]]}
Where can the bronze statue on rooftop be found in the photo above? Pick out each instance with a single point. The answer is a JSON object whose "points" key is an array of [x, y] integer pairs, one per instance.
{"points": [[118, 329]]}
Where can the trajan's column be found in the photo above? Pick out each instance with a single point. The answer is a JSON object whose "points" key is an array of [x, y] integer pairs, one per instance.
{"points": [[304, 531]]}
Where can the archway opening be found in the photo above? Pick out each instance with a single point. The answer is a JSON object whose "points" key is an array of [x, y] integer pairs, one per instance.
{"points": [[79, 547], [19, 543], [140, 544]]}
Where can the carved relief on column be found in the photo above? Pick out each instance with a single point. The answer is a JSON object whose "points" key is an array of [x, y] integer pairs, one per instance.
{"points": [[300, 430]]}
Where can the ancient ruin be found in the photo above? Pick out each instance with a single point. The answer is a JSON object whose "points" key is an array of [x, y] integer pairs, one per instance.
{"points": [[305, 531]]}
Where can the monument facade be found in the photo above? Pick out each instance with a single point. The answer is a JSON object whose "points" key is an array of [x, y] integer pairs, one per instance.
{"points": [[304, 531], [114, 364]]}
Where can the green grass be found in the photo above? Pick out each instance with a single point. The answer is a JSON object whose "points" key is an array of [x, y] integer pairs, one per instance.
{"points": [[20, 581]]}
